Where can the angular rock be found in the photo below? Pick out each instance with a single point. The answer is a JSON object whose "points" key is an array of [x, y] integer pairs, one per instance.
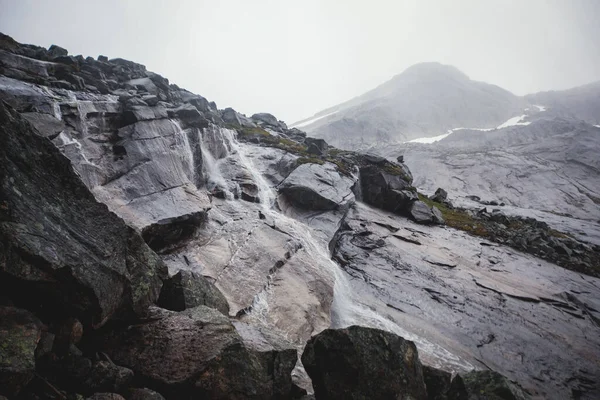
{"points": [[386, 186], [440, 195], [485, 385], [318, 187], [438, 218], [20, 332], [316, 146], [194, 353], [107, 377], [437, 383], [56, 240], [277, 356], [421, 213], [266, 119], [57, 51], [363, 363], [187, 290]]}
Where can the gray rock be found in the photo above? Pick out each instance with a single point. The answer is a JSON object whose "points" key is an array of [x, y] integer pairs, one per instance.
{"points": [[316, 146], [438, 218], [440, 195], [20, 332], [187, 290], [363, 363], [386, 186], [266, 119], [318, 187], [421, 213], [57, 51], [150, 99], [91, 277]]}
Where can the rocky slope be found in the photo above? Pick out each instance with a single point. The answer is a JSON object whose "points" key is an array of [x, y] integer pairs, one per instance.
{"points": [[582, 103], [267, 240], [425, 100]]}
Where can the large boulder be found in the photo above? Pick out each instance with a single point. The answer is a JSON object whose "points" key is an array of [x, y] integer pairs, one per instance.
{"points": [[57, 241], [318, 187], [316, 146], [485, 385], [386, 185], [187, 290], [20, 332], [193, 353], [363, 363], [437, 383]]}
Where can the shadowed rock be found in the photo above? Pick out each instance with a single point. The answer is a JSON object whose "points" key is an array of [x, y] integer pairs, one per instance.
{"points": [[363, 363], [187, 290]]}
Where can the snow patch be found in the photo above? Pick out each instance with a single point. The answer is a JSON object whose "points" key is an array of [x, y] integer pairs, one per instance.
{"points": [[514, 122], [310, 121], [540, 108]]}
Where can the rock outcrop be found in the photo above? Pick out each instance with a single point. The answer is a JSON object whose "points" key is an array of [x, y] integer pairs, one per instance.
{"points": [[187, 290], [56, 240], [194, 353], [363, 363]]}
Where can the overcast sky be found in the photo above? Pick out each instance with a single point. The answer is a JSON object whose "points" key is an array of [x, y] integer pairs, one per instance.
{"points": [[294, 58]]}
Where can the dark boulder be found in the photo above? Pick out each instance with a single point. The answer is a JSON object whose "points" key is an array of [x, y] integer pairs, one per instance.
{"points": [[316, 146], [485, 385], [57, 51], [170, 233], [266, 119], [196, 353], [440, 195], [363, 363], [107, 377], [20, 332], [143, 394], [57, 241], [187, 290], [437, 383], [386, 188]]}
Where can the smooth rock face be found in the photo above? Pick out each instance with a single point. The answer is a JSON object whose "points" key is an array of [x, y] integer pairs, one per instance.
{"points": [[363, 363], [187, 290], [47, 248], [196, 352], [20, 332], [452, 293], [485, 385], [318, 187]]}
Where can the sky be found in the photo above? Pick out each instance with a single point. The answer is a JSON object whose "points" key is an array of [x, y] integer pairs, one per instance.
{"points": [[295, 58]]}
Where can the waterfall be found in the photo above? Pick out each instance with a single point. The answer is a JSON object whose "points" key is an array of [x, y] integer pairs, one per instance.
{"points": [[348, 307]]}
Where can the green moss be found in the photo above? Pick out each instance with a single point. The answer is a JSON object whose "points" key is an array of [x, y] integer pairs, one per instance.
{"points": [[309, 160], [458, 219]]}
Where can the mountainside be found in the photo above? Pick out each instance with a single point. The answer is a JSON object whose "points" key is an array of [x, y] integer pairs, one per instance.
{"points": [[276, 244], [582, 102], [425, 100]]}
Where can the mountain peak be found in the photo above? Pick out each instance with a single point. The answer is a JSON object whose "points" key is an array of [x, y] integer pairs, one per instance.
{"points": [[426, 70]]}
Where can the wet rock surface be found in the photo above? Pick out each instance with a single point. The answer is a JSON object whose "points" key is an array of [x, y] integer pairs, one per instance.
{"points": [[202, 187], [363, 363]]}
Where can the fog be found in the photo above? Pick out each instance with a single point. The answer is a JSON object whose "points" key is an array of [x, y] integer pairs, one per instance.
{"points": [[294, 58]]}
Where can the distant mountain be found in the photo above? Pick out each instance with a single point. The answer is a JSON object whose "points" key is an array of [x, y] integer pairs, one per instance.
{"points": [[582, 102], [426, 99]]}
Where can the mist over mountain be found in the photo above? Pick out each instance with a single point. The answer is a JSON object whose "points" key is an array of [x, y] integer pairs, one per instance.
{"points": [[428, 99]]}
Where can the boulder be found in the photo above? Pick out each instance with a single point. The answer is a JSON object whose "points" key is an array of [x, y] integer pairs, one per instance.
{"points": [[318, 187], [143, 394], [20, 332], [57, 51], [277, 355], [437, 383], [193, 353], [57, 241], [187, 290], [316, 146], [485, 385], [363, 363], [421, 213], [266, 119], [107, 377], [440, 195], [438, 218], [385, 187]]}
